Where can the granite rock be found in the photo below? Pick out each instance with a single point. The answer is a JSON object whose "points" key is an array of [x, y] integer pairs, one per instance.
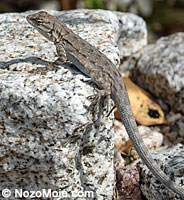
{"points": [[50, 135], [171, 162], [161, 70]]}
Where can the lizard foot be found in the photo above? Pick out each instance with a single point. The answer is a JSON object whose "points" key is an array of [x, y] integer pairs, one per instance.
{"points": [[44, 70]]}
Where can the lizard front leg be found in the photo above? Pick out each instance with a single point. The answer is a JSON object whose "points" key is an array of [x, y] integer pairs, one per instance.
{"points": [[53, 66]]}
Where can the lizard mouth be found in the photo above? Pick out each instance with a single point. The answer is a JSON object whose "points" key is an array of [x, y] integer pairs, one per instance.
{"points": [[29, 19]]}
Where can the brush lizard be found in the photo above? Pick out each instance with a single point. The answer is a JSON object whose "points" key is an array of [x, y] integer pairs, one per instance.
{"points": [[104, 74]]}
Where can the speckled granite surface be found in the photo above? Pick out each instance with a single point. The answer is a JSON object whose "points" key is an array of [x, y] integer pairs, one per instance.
{"points": [[48, 135], [161, 70], [171, 162]]}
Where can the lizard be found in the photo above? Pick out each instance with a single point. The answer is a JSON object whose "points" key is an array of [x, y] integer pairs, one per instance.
{"points": [[94, 64]]}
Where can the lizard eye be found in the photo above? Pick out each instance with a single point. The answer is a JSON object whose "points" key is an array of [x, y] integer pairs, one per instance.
{"points": [[39, 21]]}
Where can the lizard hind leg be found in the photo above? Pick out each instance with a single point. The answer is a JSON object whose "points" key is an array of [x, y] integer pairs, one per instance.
{"points": [[100, 101]]}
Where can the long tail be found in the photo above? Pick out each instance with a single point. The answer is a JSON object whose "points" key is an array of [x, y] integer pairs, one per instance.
{"points": [[122, 102]]}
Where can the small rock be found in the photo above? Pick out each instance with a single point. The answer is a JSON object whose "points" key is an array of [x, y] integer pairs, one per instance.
{"points": [[127, 183]]}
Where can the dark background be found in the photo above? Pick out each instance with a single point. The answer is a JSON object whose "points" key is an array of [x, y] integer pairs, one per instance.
{"points": [[163, 17]]}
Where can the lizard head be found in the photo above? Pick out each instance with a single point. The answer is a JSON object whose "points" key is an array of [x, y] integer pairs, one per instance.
{"points": [[44, 23]]}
